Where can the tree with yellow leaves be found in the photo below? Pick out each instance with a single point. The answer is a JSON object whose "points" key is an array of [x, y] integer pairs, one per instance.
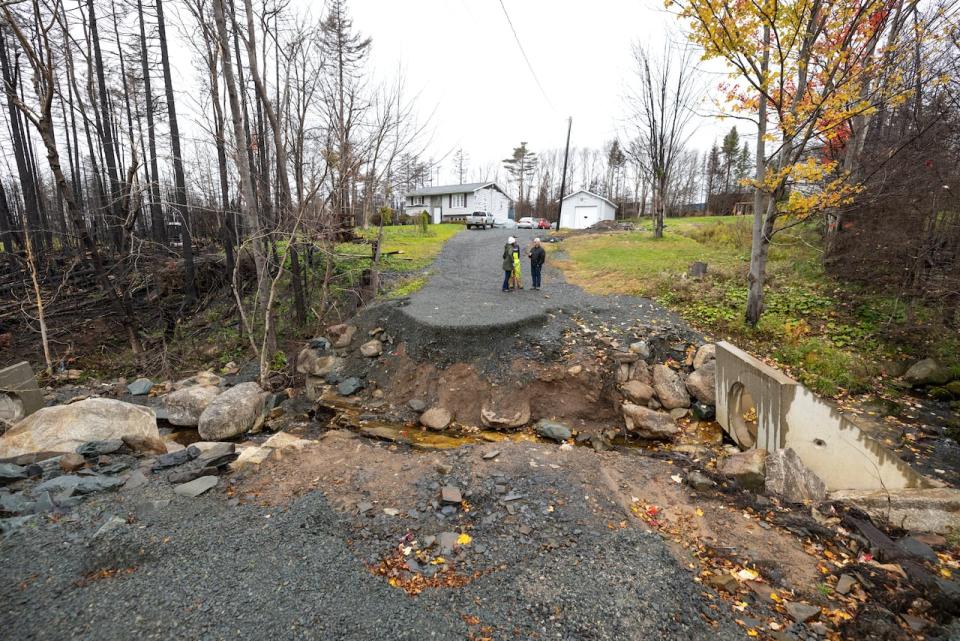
{"points": [[802, 70]]}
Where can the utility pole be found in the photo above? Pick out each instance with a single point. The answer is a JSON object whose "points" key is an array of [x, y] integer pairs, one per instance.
{"points": [[563, 176]]}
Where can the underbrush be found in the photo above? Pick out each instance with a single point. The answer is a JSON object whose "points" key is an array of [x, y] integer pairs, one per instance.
{"points": [[832, 336]]}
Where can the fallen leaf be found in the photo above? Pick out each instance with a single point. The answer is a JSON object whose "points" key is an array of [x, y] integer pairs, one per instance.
{"points": [[699, 512], [677, 478], [464, 539], [746, 574]]}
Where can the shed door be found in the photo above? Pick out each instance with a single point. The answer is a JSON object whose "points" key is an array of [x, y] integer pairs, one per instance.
{"points": [[586, 216]]}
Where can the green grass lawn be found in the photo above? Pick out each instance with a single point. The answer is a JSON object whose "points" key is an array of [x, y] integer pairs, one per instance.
{"points": [[832, 336], [418, 250]]}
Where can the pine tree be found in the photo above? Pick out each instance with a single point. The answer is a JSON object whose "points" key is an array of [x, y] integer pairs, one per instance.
{"points": [[521, 166], [730, 150]]}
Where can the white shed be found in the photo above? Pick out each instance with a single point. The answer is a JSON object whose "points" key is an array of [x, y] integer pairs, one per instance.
{"points": [[583, 208]]}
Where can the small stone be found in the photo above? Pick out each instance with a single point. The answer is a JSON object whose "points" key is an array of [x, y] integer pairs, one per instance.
{"points": [[140, 387], [96, 448], [197, 487], [349, 386], [641, 349], [491, 455], [145, 444], [111, 524], [436, 418], [801, 612], [553, 430], [574, 370], [637, 392], [391, 511], [699, 481], [525, 530], [429, 540], [71, 462], [450, 494], [10, 472], [416, 405], [725, 582], [844, 584], [679, 412], [448, 542], [513, 496], [173, 459], [136, 479], [372, 349], [705, 354], [444, 468], [363, 507]]}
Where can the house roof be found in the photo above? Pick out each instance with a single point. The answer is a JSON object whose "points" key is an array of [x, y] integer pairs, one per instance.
{"points": [[442, 190], [584, 191]]}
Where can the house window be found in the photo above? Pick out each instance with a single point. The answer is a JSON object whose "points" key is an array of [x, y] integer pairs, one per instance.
{"points": [[416, 200], [458, 200]]}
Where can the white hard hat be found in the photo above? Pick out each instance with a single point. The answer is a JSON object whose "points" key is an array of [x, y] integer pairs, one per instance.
{"points": [[511, 240]]}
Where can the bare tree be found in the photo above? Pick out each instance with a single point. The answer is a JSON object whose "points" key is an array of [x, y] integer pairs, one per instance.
{"points": [[663, 105]]}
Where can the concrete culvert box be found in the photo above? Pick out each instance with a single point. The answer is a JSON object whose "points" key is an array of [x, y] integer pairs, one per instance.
{"points": [[19, 394], [760, 406]]}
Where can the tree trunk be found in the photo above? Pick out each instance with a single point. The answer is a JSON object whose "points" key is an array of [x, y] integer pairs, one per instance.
{"points": [[156, 211], [179, 181], [761, 204]]}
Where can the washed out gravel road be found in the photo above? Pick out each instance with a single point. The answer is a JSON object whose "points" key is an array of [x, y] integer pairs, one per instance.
{"points": [[464, 290]]}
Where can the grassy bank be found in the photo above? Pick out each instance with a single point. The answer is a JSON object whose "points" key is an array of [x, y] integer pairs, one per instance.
{"points": [[834, 337]]}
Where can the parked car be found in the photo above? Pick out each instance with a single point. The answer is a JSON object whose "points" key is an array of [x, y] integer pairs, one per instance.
{"points": [[479, 219], [543, 223], [526, 223]]}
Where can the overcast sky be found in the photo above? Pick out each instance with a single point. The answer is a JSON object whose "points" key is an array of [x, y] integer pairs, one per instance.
{"points": [[462, 59]]}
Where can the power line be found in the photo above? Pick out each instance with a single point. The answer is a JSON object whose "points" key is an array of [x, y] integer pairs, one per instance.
{"points": [[524, 53]]}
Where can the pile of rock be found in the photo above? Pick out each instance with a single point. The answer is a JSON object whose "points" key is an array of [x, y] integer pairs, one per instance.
{"points": [[779, 473], [655, 397]]}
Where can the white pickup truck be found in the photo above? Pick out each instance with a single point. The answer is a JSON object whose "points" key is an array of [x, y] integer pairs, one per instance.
{"points": [[480, 219]]}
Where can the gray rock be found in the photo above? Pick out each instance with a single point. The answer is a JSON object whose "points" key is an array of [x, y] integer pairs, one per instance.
{"points": [[71, 462], [10, 472], [491, 455], [111, 524], [450, 494], [136, 479], [185, 476], [173, 459], [219, 454], [147, 509], [72, 484], [416, 405], [844, 584], [699, 481], [706, 353], [436, 418], [238, 410], [113, 468], [341, 334], [447, 542], [787, 476], [350, 386], [647, 423], [15, 504], [553, 430], [196, 487], [641, 349], [702, 383], [679, 412], [801, 612], [98, 448], [637, 392], [926, 372], [670, 389], [184, 406], [11, 525], [640, 371], [917, 548], [140, 387], [747, 468], [44, 504], [372, 349]]}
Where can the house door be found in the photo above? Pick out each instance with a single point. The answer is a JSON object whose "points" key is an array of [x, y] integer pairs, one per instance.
{"points": [[437, 215], [586, 216]]}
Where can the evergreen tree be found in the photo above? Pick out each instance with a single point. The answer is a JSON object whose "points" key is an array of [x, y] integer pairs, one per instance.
{"points": [[731, 154], [521, 166]]}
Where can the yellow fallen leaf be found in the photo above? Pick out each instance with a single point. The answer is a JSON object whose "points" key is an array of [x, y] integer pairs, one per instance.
{"points": [[776, 598], [699, 512], [746, 574], [945, 572], [464, 539], [752, 633], [393, 581], [438, 561]]}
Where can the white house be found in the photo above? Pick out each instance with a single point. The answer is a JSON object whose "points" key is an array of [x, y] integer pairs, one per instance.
{"points": [[447, 203], [583, 208]]}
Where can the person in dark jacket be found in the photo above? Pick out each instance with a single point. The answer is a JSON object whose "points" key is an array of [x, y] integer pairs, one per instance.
{"points": [[508, 263], [537, 258]]}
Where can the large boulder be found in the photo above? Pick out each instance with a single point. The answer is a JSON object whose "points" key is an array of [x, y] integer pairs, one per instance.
{"points": [[509, 412], [238, 410], [747, 468], [637, 392], [647, 423], [706, 353], [927, 372], [436, 418], [670, 389], [787, 476], [184, 406], [63, 428], [702, 383]]}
